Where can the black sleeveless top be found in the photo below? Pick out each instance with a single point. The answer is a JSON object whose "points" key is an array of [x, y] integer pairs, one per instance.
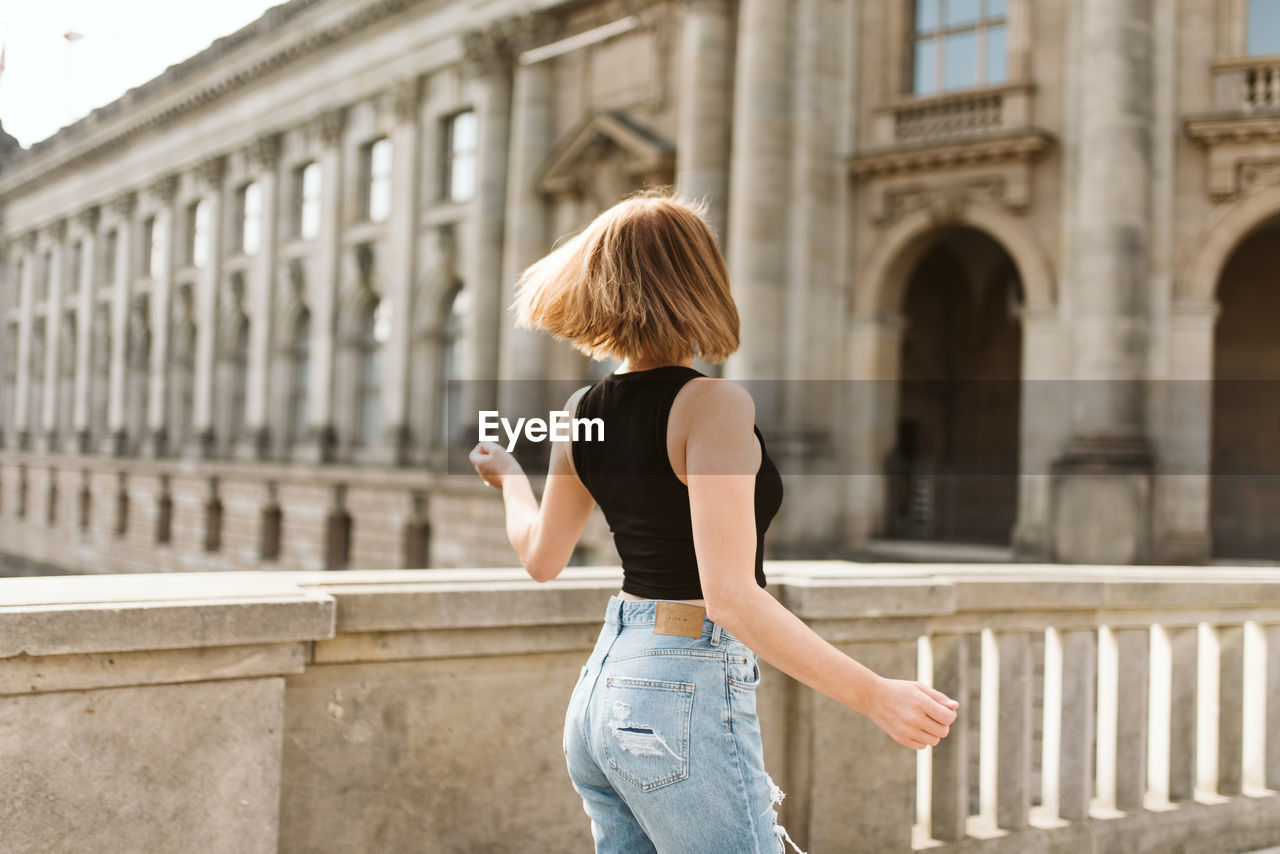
{"points": [[629, 475]]}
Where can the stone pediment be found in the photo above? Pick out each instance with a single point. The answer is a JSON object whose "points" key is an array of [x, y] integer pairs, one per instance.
{"points": [[638, 150]]}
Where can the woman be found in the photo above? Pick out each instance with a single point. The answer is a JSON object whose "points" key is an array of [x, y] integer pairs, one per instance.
{"points": [[661, 738]]}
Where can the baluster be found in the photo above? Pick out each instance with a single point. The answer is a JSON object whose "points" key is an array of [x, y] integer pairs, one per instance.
{"points": [[1133, 650], [1274, 74], [1075, 756], [950, 785], [1230, 708], [1183, 698], [1013, 750], [1272, 687]]}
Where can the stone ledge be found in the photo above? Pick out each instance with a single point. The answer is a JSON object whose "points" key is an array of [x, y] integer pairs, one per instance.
{"points": [[71, 614]]}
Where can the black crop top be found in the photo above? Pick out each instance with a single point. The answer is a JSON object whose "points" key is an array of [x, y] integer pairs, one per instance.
{"points": [[629, 475]]}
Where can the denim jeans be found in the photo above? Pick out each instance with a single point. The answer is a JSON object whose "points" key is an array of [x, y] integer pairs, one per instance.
{"points": [[663, 744]]}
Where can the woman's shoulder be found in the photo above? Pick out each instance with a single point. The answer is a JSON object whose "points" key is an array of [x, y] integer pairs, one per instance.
{"points": [[718, 399]]}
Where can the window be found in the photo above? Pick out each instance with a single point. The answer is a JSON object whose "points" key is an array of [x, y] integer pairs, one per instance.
{"points": [[307, 201], [300, 378], [198, 234], [460, 138], [958, 44], [249, 204], [374, 333], [1264, 28], [378, 186]]}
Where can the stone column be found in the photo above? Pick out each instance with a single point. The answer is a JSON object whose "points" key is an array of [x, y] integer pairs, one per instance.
{"points": [[1102, 489], [156, 442], [525, 353], [705, 119], [88, 223], [759, 187], [122, 277], [320, 444], [489, 56], [53, 333], [264, 160], [402, 267], [210, 174], [26, 308], [875, 355]]}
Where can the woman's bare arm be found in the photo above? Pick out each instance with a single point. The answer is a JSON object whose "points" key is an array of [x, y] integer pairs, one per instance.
{"points": [[721, 459], [543, 537]]}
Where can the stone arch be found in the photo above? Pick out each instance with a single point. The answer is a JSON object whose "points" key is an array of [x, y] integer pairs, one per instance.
{"points": [[886, 275], [1219, 240]]}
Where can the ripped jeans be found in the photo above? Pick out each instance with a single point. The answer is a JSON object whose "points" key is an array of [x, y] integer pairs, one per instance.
{"points": [[662, 742]]}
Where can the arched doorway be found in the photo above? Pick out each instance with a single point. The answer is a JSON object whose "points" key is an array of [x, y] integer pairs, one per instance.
{"points": [[1245, 487], [954, 465]]}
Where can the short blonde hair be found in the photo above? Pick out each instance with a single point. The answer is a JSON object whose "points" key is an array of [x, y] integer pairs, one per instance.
{"points": [[644, 281]]}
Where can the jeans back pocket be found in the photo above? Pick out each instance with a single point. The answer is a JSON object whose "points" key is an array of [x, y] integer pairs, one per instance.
{"points": [[646, 730]]}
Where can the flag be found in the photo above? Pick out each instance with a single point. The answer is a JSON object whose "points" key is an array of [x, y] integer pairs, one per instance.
{"points": [[72, 36], [2, 47]]}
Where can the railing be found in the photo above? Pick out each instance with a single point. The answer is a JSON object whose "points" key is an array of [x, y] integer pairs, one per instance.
{"points": [[946, 117], [1249, 84], [1103, 709]]}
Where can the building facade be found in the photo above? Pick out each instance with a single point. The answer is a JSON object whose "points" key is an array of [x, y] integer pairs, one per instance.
{"points": [[1005, 273]]}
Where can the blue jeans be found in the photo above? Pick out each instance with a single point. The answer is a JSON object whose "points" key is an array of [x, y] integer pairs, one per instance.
{"points": [[662, 741]]}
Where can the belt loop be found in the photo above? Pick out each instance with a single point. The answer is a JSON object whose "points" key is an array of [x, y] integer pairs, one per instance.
{"points": [[617, 614], [715, 634]]}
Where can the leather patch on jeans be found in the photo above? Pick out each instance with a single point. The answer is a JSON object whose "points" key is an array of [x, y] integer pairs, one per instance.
{"points": [[679, 618]]}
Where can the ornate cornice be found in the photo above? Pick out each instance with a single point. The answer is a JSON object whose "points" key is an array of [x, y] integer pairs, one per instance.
{"points": [[146, 108], [1024, 146], [1216, 129], [1243, 152]]}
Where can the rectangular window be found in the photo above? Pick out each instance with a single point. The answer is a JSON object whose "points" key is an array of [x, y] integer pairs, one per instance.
{"points": [[307, 200], [959, 44], [377, 161], [1264, 28], [249, 211], [459, 158]]}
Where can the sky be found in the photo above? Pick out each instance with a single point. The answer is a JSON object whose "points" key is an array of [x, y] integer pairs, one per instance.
{"points": [[48, 82]]}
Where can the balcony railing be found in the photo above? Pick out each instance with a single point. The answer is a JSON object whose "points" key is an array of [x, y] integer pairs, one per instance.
{"points": [[1103, 709], [1248, 85], [953, 115]]}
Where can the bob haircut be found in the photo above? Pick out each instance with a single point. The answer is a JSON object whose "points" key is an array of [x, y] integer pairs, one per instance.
{"points": [[644, 281]]}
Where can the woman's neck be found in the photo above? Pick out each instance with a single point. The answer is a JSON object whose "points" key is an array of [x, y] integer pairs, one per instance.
{"points": [[630, 366]]}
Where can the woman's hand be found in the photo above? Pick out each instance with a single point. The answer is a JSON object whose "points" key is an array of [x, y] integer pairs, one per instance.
{"points": [[492, 462], [912, 713]]}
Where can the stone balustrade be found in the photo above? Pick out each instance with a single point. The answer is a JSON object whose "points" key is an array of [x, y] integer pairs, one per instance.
{"points": [[1249, 84], [1103, 709]]}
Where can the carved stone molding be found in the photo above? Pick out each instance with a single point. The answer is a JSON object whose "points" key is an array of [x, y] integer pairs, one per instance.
{"points": [[1243, 153], [944, 179], [488, 51], [124, 205], [26, 242], [263, 152], [329, 126], [406, 98], [165, 188], [211, 171], [1259, 175], [57, 230], [944, 202], [88, 218]]}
